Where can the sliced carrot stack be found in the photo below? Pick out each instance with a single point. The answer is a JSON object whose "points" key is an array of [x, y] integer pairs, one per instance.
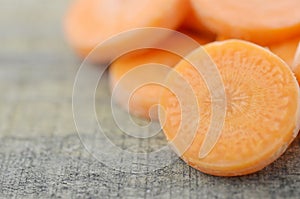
{"points": [[90, 22], [143, 100], [263, 22], [262, 109]]}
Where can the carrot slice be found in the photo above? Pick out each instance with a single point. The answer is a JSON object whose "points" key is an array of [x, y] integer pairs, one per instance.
{"points": [[192, 22], [90, 22], [286, 50], [261, 113], [263, 22], [143, 100], [289, 51], [296, 63]]}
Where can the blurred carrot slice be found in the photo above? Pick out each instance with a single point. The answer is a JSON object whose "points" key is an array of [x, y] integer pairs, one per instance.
{"points": [[262, 22], [143, 100], [286, 50], [192, 22], [261, 113], [296, 63], [90, 22]]}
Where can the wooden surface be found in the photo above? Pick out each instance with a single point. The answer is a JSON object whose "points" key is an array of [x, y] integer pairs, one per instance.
{"points": [[41, 155]]}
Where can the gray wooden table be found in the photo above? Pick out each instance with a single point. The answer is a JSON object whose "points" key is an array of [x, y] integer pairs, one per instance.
{"points": [[41, 155]]}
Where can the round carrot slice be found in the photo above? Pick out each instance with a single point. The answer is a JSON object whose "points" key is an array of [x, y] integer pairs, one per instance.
{"points": [[262, 107], [263, 22], [143, 100], [90, 22]]}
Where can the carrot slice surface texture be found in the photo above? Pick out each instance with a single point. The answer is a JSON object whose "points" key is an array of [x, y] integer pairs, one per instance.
{"points": [[262, 98], [262, 22]]}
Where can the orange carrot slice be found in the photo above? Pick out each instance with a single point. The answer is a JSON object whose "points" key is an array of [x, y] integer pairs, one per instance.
{"points": [[296, 63], [262, 98], [263, 22], [289, 51], [221, 38], [192, 22], [143, 100], [90, 22], [286, 50]]}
